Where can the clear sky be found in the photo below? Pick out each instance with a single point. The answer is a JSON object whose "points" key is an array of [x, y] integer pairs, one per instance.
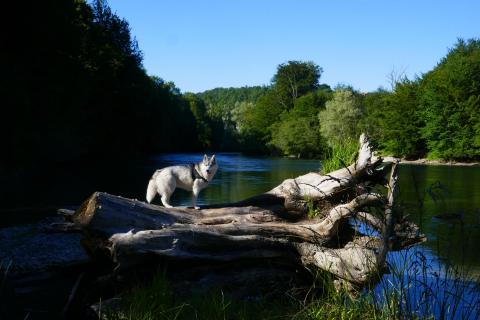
{"points": [[204, 44]]}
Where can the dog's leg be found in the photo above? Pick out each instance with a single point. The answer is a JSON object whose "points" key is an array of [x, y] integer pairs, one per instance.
{"points": [[194, 201], [195, 192], [166, 200]]}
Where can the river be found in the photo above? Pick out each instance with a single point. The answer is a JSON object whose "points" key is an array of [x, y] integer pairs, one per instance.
{"points": [[443, 200]]}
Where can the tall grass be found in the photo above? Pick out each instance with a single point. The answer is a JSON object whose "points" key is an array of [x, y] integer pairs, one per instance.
{"points": [[417, 287], [340, 155], [156, 301], [338, 304]]}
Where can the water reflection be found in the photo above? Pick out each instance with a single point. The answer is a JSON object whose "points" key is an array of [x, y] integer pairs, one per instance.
{"points": [[238, 177], [445, 202]]}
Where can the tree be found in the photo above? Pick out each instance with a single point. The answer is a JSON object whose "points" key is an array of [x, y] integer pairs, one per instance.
{"points": [[76, 88], [401, 125], [297, 133], [340, 119], [294, 79], [450, 102], [393, 119], [374, 114], [202, 123], [228, 112]]}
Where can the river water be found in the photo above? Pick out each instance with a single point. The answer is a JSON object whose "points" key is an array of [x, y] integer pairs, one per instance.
{"points": [[443, 200]]}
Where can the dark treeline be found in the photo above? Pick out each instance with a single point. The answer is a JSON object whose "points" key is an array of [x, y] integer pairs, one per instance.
{"points": [[75, 88]]}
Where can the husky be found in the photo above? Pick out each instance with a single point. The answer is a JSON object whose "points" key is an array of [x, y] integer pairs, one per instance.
{"points": [[194, 177]]}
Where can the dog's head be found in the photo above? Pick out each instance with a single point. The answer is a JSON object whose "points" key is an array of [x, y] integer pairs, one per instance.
{"points": [[208, 167]]}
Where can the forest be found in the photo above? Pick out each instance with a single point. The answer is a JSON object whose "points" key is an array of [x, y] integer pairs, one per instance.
{"points": [[75, 89]]}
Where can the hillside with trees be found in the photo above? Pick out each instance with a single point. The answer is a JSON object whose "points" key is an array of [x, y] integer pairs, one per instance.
{"points": [[225, 109], [436, 115], [76, 89]]}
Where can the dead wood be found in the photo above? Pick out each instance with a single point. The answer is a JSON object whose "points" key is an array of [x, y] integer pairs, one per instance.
{"points": [[271, 228]]}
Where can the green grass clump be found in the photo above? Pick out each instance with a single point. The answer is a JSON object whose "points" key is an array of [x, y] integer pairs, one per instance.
{"points": [[313, 210], [342, 308], [340, 155]]}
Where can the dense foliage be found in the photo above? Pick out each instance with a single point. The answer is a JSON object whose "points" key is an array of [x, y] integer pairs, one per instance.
{"points": [[393, 120], [296, 133], [228, 110], [339, 120], [75, 88], [437, 115], [284, 119], [281, 118], [450, 104]]}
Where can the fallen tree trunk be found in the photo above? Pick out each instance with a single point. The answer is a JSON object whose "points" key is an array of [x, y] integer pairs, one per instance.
{"points": [[270, 227]]}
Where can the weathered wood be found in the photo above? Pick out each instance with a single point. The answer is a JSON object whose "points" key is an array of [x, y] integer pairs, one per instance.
{"points": [[268, 227]]}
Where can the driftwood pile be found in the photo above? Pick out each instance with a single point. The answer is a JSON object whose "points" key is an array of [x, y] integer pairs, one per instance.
{"points": [[262, 238]]}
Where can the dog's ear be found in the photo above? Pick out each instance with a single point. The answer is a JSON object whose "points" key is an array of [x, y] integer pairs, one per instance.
{"points": [[205, 158], [212, 159]]}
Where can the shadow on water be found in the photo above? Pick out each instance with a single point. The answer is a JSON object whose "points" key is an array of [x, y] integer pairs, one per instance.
{"points": [[33, 193], [445, 202]]}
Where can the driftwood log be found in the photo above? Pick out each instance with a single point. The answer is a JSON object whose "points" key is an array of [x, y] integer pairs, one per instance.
{"points": [[272, 227]]}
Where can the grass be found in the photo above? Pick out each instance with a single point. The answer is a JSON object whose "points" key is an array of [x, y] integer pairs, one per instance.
{"points": [[156, 301], [340, 155], [312, 210], [417, 287]]}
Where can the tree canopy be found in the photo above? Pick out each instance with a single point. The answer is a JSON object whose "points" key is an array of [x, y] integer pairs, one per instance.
{"points": [[340, 119], [295, 79], [74, 88], [450, 104]]}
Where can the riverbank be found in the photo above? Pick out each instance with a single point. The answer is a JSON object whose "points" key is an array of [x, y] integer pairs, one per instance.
{"points": [[424, 161]]}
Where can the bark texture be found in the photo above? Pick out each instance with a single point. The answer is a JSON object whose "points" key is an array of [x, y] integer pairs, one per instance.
{"points": [[272, 228]]}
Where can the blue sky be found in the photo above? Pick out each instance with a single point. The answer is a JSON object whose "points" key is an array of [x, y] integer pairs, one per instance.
{"points": [[204, 44]]}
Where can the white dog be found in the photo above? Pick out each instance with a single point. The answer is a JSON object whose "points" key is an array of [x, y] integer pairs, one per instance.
{"points": [[194, 177]]}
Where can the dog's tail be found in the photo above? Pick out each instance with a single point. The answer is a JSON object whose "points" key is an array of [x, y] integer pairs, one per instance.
{"points": [[152, 188]]}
